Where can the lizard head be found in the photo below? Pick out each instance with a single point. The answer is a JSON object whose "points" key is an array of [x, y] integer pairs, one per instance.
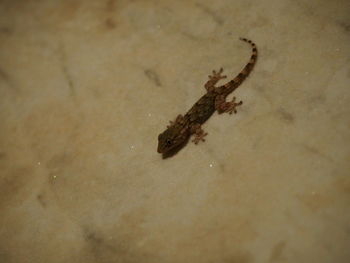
{"points": [[172, 138]]}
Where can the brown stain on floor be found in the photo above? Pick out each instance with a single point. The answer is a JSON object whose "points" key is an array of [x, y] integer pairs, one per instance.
{"points": [[331, 194], [239, 257], [118, 243], [68, 10], [285, 115], [110, 23], [2, 156], [14, 185], [277, 252], [111, 5], [315, 201], [342, 184]]}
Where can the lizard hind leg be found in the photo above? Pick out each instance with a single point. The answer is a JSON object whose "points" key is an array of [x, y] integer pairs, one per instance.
{"points": [[221, 105], [199, 133], [213, 79]]}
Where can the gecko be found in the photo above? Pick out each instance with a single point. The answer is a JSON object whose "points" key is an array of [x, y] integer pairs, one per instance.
{"points": [[178, 133]]}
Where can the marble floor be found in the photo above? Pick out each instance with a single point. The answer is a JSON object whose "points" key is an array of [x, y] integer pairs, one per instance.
{"points": [[87, 86]]}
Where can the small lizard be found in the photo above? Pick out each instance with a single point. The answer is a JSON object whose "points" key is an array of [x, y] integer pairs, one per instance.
{"points": [[179, 131]]}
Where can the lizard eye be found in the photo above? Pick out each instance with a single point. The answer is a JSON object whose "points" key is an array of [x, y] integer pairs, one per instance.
{"points": [[168, 142]]}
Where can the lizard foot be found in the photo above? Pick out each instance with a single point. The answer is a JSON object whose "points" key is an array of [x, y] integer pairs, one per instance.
{"points": [[222, 106], [213, 79], [199, 134]]}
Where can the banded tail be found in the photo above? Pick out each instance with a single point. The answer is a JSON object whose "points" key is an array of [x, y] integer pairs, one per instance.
{"points": [[233, 84]]}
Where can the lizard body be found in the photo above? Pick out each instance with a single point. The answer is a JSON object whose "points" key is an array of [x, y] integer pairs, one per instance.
{"points": [[178, 132]]}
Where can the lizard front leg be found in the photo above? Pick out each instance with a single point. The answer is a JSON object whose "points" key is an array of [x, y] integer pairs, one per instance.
{"points": [[199, 133], [213, 79], [221, 105], [179, 119]]}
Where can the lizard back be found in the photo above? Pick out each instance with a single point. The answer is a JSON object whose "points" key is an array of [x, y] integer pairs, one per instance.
{"points": [[202, 109]]}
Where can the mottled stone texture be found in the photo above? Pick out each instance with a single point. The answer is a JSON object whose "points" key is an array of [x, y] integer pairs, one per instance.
{"points": [[86, 87]]}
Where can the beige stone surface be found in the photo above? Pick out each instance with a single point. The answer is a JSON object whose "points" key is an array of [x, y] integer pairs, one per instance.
{"points": [[87, 86]]}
